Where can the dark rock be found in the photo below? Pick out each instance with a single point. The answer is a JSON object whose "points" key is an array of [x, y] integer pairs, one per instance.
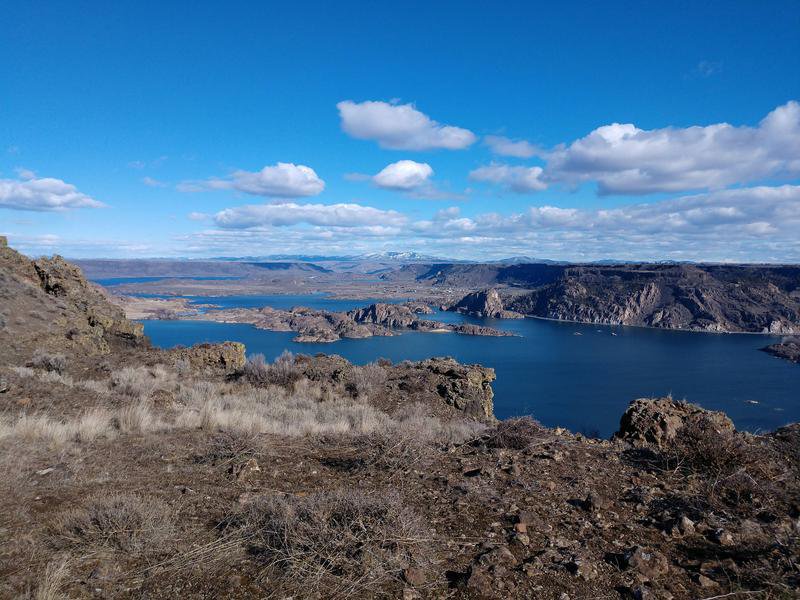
{"points": [[657, 421]]}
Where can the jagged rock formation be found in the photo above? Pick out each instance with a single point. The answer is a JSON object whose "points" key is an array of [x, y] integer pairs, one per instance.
{"points": [[484, 304], [659, 421], [312, 325], [788, 349]]}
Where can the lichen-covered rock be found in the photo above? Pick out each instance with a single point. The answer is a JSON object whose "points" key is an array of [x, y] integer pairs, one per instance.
{"points": [[468, 388], [658, 421], [227, 357]]}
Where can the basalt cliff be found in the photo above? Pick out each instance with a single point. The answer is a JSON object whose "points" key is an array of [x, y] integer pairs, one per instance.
{"points": [[754, 299]]}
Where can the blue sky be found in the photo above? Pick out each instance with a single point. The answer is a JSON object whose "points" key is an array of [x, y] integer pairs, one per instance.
{"points": [[631, 130]]}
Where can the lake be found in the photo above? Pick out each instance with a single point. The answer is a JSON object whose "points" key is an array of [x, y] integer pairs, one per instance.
{"points": [[581, 382]]}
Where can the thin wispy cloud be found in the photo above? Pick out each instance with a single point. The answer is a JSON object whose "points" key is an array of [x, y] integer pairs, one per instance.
{"points": [[504, 146]]}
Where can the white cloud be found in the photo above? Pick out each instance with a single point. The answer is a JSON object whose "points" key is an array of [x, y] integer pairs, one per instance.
{"points": [[23, 173], [624, 159], [198, 216], [44, 194], [283, 180], [750, 224], [400, 127], [517, 179], [403, 175], [508, 147], [290, 213]]}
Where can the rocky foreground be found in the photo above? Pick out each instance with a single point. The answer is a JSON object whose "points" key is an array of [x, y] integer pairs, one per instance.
{"points": [[128, 471]]}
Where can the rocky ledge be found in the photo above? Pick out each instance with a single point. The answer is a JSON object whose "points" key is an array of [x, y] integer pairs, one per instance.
{"points": [[313, 325]]}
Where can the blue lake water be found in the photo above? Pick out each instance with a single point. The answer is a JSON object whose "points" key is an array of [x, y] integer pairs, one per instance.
{"points": [[582, 382], [112, 281]]}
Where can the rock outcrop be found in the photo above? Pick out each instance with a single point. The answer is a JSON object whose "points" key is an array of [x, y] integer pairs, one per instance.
{"points": [[788, 349], [227, 357], [485, 304], [49, 304], [659, 421]]}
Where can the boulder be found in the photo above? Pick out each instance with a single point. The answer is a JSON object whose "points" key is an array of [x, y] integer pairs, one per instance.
{"points": [[658, 421], [226, 357]]}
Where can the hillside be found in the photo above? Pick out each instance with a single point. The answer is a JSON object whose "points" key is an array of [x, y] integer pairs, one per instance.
{"points": [[128, 472]]}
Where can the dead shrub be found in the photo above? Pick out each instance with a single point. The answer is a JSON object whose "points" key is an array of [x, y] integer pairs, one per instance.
{"points": [[56, 363], [139, 382], [514, 434], [733, 472], [368, 380], [336, 544], [283, 371], [117, 522]]}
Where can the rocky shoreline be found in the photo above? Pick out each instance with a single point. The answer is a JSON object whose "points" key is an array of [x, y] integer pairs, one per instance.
{"points": [[314, 325]]}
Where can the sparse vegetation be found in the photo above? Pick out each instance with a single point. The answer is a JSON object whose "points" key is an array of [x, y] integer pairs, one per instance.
{"points": [[125, 523], [337, 543], [282, 372], [48, 361]]}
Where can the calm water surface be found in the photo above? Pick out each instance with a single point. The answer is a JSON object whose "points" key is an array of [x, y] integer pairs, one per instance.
{"points": [[582, 382]]}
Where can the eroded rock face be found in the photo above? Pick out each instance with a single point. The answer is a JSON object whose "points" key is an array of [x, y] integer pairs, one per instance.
{"points": [[485, 303], [227, 357], [658, 421], [49, 304]]}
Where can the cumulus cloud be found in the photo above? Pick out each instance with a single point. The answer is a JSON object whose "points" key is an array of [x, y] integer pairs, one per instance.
{"points": [[624, 159], [42, 194], [283, 180], [748, 224], [508, 147], [403, 175], [290, 213], [400, 127], [521, 180]]}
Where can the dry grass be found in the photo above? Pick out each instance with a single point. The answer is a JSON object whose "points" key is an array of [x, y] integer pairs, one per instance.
{"points": [[52, 581], [124, 523], [141, 382], [275, 410], [91, 425], [339, 543], [137, 418], [282, 372]]}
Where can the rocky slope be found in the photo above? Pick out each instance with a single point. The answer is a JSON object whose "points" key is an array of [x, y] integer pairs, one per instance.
{"points": [[756, 299], [313, 325]]}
